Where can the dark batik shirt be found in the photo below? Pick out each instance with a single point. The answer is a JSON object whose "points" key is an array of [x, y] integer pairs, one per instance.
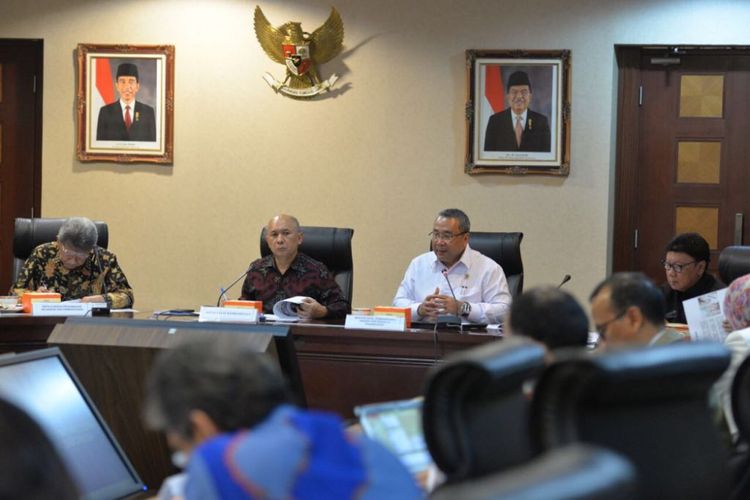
{"points": [[44, 268], [305, 276]]}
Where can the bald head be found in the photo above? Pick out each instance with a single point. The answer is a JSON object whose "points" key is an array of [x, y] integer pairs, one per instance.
{"points": [[288, 220], [284, 237]]}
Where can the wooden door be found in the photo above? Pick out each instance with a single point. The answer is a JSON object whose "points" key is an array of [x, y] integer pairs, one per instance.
{"points": [[20, 141], [682, 160]]}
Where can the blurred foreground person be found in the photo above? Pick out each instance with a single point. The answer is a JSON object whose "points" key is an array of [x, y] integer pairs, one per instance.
{"points": [[228, 409], [30, 468]]}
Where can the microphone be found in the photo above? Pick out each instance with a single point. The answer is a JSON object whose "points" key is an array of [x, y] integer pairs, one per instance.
{"points": [[448, 319], [101, 311], [225, 290], [565, 279]]}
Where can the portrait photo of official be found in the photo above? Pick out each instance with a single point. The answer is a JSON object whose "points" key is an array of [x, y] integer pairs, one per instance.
{"points": [[127, 118], [517, 127], [516, 122], [125, 114]]}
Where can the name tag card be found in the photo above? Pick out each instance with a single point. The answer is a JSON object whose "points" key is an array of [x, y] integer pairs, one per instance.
{"points": [[228, 314], [384, 322], [62, 308]]}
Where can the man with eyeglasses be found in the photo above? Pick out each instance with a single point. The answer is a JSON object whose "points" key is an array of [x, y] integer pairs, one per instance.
{"points": [[288, 273], [76, 268], [686, 265], [628, 311], [453, 278], [517, 128]]}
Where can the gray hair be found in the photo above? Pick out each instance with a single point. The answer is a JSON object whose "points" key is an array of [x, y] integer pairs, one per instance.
{"points": [[79, 233], [454, 213], [222, 376]]}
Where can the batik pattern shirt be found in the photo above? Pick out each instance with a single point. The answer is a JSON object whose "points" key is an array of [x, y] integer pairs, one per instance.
{"points": [[306, 277], [44, 268]]}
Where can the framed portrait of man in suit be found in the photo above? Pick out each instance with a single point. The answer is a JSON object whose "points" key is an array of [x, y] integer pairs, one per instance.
{"points": [[126, 103], [518, 112]]}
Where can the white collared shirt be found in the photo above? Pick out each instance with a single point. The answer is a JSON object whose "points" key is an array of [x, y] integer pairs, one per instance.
{"points": [[475, 279], [523, 118], [132, 110]]}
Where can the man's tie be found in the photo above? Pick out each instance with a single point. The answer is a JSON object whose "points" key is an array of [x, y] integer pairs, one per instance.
{"points": [[129, 121], [519, 131]]}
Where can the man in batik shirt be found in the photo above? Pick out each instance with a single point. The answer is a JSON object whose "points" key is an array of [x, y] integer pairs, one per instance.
{"points": [[287, 273], [76, 268]]}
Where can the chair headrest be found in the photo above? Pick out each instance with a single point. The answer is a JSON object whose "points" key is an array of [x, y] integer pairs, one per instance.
{"points": [[734, 261]]}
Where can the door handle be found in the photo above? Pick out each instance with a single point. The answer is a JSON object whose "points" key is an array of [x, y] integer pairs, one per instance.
{"points": [[739, 222]]}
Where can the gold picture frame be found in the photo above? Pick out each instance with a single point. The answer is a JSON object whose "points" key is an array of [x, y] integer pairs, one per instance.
{"points": [[535, 81], [103, 134]]}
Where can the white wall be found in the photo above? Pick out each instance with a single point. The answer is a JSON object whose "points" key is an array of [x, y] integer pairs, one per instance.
{"points": [[382, 156]]}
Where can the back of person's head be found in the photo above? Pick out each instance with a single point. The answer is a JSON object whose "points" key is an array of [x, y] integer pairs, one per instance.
{"points": [[550, 316], [628, 289], [692, 244], [223, 376], [30, 467], [737, 303]]}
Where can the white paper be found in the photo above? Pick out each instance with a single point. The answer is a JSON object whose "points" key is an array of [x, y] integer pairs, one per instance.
{"points": [[228, 314], [705, 316], [286, 310], [376, 322]]}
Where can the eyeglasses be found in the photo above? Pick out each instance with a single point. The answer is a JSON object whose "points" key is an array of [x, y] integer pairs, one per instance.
{"points": [[70, 253], [602, 329], [446, 237], [678, 268]]}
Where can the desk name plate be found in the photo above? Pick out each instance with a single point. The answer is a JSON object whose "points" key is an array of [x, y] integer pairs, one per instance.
{"points": [[228, 314], [377, 322], [64, 308]]}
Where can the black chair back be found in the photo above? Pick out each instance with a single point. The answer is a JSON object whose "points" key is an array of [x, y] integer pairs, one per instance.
{"points": [[734, 261], [575, 472], [505, 249], [330, 245], [475, 412], [30, 233], [648, 404]]}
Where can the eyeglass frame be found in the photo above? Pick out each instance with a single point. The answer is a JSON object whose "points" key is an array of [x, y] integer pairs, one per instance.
{"points": [[71, 253], [602, 329], [678, 268], [435, 236]]}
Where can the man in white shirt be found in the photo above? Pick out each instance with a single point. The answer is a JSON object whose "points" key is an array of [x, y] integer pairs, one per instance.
{"points": [[453, 278]]}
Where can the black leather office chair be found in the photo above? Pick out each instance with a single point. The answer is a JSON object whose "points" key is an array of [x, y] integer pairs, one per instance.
{"points": [[649, 405], [475, 412], [330, 245], [505, 249], [734, 261], [30, 233], [575, 472], [741, 413]]}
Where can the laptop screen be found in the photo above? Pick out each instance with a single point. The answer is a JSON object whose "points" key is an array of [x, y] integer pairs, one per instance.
{"points": [[398, 426], [42, 383]]}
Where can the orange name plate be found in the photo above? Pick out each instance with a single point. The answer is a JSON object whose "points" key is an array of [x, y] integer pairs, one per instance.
{"points": [[394, 311], [30, 297], [255, 304]]}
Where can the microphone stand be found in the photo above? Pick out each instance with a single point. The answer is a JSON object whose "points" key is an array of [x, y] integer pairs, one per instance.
{"points": [[449, 320], [565, 279], [225, 290]]}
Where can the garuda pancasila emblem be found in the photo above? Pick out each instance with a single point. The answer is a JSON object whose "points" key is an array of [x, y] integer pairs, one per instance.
{"points": [[300, 52]]}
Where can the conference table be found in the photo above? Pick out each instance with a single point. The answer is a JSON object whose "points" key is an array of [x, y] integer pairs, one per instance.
{"points": [[338, 368]]}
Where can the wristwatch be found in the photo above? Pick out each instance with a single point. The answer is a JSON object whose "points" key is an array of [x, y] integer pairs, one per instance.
{"points": [[465, 309]]}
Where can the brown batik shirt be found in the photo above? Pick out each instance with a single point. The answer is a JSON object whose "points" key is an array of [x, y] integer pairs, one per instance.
{"points": [[44, 268]]}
